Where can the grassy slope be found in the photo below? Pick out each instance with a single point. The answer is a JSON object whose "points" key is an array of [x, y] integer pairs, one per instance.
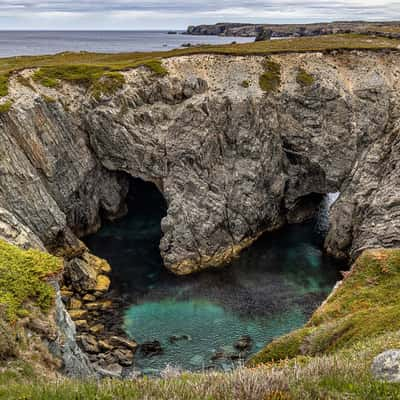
{"points": [[90, 67], [366, 305]]}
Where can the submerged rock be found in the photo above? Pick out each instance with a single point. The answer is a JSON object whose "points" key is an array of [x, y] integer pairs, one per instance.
{"points": [[177, 338], [386, 366], [244, 343], [150, 349]]}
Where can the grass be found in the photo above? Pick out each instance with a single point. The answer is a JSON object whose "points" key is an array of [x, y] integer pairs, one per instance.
{"points": [[23, 275], [366, 305], [245, 84], [5, 107], [345, 375], [270, 80], [303, 78], [88, 67]]}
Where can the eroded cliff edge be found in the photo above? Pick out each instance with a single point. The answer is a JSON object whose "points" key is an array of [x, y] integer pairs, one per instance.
{"points": [[231, 160]]}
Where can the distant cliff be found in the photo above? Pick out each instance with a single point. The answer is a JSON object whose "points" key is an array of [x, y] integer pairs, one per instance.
{"points": [[296, 30]]}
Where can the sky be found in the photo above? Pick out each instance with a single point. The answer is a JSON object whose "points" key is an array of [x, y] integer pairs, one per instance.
{"points": [[178, 14]]}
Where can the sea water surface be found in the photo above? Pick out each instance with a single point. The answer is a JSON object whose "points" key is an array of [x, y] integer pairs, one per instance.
{"points": [[271, 289], [16, 43]]}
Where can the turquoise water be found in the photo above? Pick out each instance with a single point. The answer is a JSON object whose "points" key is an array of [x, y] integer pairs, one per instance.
{"points": [[270, 290]]}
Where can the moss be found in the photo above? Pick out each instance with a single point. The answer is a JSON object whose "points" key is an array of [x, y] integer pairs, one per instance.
{"points": [[23, 275], [4, 84], [270, 80], [48, 99], [156, 66], [365, 305], [107, 85], [5, 107], [284, 347], [245, 84], [303, 78]]}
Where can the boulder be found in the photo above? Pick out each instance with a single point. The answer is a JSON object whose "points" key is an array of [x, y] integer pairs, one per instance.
{"points": [[386, 366], [89, 343], [123, 356], [78, 314], [102, 283], [97, 329], [82, 275], [118, 341], [150, 349], [244, 343]]}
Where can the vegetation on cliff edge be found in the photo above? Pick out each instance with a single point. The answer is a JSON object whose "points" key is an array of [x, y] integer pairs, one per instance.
{"points": [[88, 67], [364, 306], [23, 275]]}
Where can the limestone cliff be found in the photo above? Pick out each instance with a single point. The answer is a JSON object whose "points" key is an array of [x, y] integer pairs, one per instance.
{"points": [[231, 160]]}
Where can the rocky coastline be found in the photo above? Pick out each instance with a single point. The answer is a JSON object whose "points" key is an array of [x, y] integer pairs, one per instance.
{"points": [[231, 160]]}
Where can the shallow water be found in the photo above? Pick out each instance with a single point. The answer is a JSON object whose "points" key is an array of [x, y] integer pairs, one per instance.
{"points": [[270, 290]]}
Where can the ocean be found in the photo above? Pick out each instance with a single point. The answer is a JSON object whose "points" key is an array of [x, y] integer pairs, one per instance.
{"points": [[17, 43]]}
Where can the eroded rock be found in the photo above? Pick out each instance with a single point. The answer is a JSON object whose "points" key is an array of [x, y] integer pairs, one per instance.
{"points": [[386, 366]]}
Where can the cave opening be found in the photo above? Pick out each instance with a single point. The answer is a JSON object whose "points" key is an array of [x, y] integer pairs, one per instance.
{"points": [[131, 244], [270, 290]]}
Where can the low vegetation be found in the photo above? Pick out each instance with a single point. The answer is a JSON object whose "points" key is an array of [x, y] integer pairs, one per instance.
{"points": [[245, 84], [5, 107], [366, 305], [345, 375], [89, 67], [303, 78], [270, 80], [23, 275]]}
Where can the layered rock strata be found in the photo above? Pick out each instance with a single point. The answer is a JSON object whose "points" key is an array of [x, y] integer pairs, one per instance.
{"points": [[231, 160]]}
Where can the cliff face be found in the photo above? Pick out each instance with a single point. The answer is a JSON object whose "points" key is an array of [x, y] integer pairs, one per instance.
{"points": [[231, 160]]}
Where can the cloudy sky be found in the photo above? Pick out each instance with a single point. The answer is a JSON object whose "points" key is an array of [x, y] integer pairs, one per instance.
{"points": [[177, 14]]}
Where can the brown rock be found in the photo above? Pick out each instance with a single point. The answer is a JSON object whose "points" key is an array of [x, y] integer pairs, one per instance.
{"points": [[89, 298], [119, 341], [78, 314], [97, 329], [75, 304], [124, 356], [93, 306], [89, 343], [105, 345], [102, 283], [82, 324]]}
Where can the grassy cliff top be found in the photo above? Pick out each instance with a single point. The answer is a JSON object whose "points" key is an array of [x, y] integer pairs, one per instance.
{"points": [[23, 275], [96, 64]]}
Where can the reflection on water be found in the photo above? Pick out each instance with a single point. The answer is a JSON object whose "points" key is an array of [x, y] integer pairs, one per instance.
{"points": [[270, 290]]}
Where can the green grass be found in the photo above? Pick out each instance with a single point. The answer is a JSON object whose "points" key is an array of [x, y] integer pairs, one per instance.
{"points": [[304, 78], [345, 375], [5, 107], [270, 80], [23, 275], [87, 66], [107, 85], [366, 305]]}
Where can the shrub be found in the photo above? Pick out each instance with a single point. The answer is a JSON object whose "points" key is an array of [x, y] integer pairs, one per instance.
{"points": [[5, 107], [23, 275], [303, 78], [270, 80]]}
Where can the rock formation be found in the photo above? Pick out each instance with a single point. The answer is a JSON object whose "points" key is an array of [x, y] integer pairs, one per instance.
{"points": [[231, 161]]}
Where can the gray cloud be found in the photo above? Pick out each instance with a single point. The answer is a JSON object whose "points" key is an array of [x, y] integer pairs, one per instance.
{"points": [[179, 13]]}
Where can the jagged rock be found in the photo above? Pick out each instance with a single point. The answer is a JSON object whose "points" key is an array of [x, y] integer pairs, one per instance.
{"points": [[386, 366], [89, 343], [81, 324], [119, 341], [110, 371], [82, 275], [75, 304], [78, 314], [97, 329], [150, 349], [264, 34], [89, 298], [102, 283], [105, 345], [124, 356]]}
